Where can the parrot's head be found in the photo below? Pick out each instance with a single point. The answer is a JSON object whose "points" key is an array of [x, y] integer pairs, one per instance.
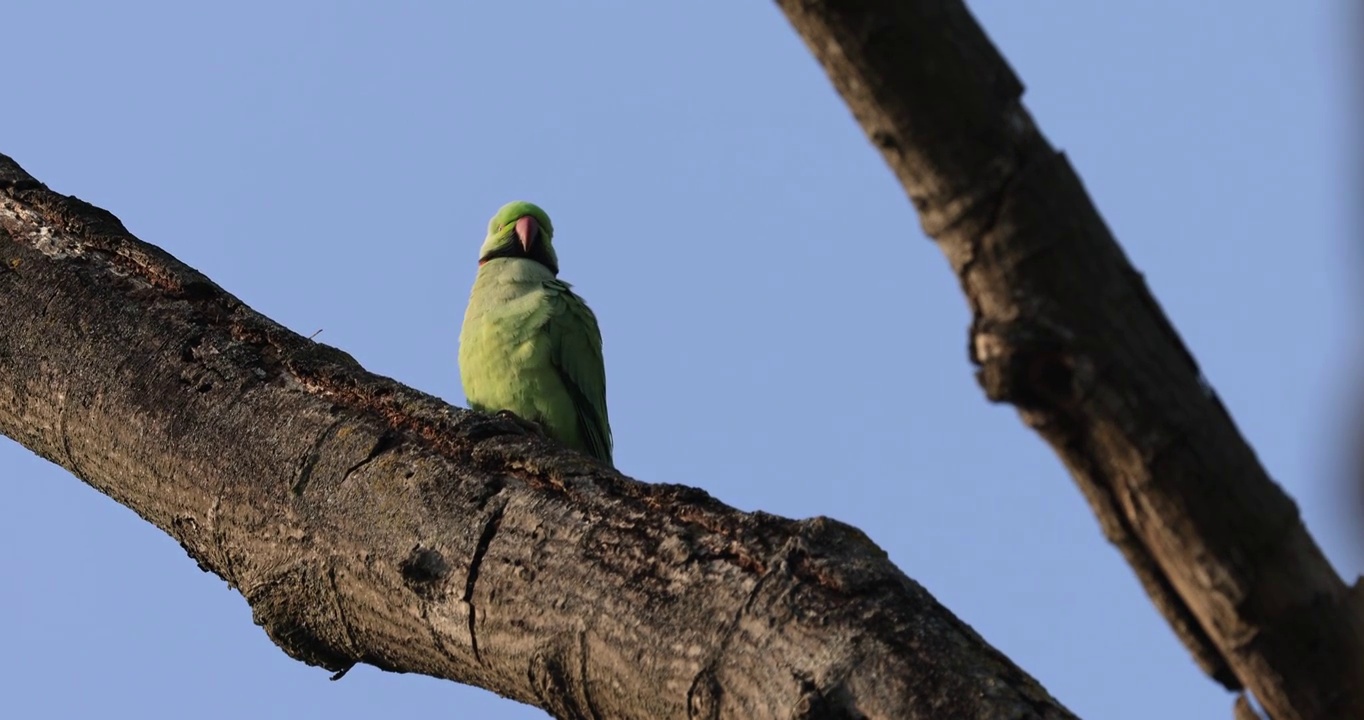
{"points": [[520, 230]]}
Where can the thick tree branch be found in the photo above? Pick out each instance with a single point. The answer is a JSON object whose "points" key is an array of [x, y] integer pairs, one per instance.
{"points": [[367, 522], [1065, 329]]}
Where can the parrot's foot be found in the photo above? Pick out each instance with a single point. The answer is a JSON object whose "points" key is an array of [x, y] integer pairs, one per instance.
{"points": [[527, 425]]}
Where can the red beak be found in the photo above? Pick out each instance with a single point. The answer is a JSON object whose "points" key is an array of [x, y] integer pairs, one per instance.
{"points": [[526, 230]]}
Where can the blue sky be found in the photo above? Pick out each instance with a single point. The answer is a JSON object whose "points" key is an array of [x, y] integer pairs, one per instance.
{"points": [[778, 330]]}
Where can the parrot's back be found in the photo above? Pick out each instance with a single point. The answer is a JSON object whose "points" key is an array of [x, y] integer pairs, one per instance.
{"points": [[529, 345]]}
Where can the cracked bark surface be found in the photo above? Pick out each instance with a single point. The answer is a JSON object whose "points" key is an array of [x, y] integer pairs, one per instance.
{"points": [[365, 521], [1065, 329]]}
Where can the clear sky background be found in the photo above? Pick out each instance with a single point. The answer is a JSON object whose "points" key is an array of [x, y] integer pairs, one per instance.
{"points": [[778, 330]]}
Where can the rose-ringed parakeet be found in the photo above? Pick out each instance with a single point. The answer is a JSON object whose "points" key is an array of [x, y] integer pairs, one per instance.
{"points": [[529, 345]]}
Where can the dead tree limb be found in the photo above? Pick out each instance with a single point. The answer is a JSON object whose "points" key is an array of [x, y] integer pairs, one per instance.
{"points": [[1065, 329], [367, 522]]}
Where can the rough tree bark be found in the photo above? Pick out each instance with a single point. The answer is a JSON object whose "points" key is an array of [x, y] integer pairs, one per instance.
{"points": [[367, 522], [1065, 329]]}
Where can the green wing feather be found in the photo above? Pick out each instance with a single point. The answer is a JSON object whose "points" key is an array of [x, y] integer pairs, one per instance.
{"points": [[577, 358]]}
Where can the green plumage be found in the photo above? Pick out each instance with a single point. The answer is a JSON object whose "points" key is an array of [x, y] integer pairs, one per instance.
{"points": [[529, 344]]}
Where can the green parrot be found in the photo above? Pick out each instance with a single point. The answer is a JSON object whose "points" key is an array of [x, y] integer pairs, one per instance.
{"points": [[529, 345]]}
